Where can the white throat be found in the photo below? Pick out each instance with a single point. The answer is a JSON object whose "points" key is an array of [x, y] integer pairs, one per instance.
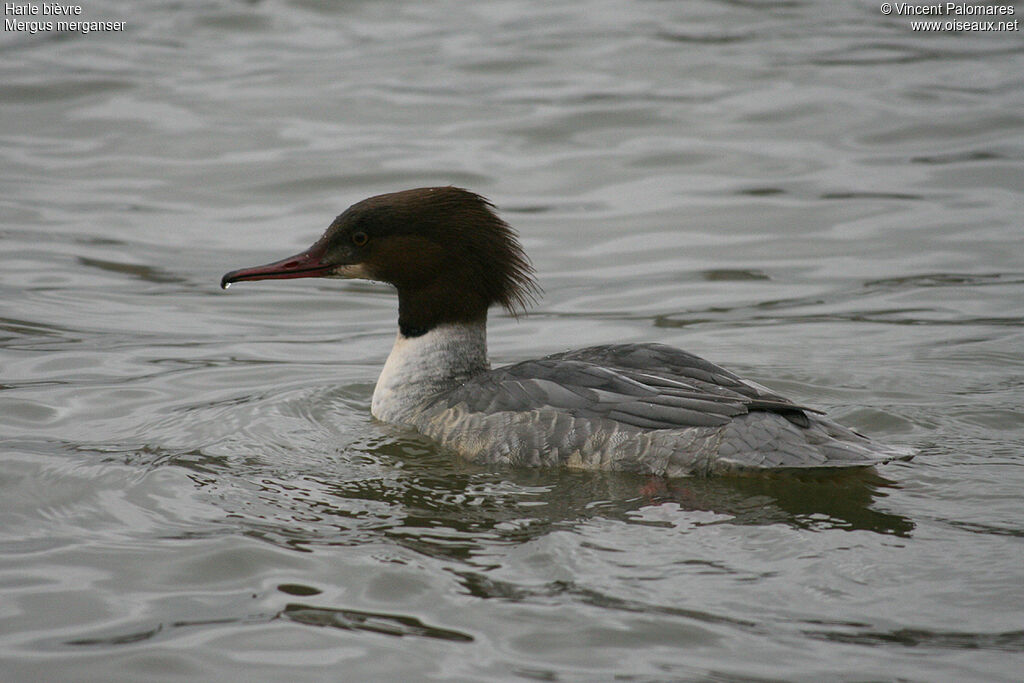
{"points": [[421, 367]]}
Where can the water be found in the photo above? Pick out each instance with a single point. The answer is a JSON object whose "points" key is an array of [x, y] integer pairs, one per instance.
{"points": [[816, 197]]}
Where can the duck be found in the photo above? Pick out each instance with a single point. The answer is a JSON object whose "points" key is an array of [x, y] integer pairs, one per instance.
{"points": [[641, 407]]}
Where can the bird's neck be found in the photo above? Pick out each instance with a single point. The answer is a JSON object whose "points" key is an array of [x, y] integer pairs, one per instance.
{"points": [[426, 364]]}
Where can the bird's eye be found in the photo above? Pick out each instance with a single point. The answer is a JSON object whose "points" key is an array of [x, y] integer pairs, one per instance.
{"points": [[360, 238]]}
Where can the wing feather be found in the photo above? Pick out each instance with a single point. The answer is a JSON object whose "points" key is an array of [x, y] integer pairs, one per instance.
{"points": [[644, 386]]}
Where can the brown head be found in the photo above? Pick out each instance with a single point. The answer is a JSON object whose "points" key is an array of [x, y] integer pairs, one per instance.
{"points": [[443, 248]]}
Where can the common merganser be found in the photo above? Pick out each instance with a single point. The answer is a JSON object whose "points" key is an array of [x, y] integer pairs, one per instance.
{"points": [[646, 408]]}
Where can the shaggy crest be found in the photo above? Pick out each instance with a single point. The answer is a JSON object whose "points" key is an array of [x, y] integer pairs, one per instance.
{"points": [[466, 239]]}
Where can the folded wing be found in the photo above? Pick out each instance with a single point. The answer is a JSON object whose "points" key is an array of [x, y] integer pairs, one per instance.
{"points": [[643, 386]]}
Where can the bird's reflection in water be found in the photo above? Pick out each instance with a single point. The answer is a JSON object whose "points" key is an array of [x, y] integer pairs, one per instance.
{"points": [[441, 496], [806, 500]]}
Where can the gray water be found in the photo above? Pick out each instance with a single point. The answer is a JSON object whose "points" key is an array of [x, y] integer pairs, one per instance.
{"points": [[811, 194]]}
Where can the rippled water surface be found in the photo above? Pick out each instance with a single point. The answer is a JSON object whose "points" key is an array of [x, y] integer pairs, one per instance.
{"points": [[811, 194]]}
